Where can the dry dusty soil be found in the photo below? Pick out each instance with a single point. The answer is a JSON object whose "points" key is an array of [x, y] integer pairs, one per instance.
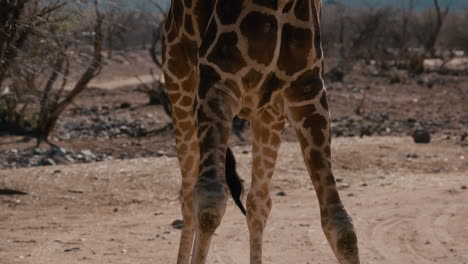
{"points": [[408, 202]]}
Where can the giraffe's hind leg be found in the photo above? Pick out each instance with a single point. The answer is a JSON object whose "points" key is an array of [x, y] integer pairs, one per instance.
{"points": [[312, 124], [215, 110], [266, 141]]}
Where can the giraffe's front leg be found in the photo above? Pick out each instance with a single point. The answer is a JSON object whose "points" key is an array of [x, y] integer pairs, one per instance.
{"points": [[267, 137], [312, 124]]}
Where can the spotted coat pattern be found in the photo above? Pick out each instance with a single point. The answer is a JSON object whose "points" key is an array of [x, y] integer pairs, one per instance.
{"points": [[261, 60]]}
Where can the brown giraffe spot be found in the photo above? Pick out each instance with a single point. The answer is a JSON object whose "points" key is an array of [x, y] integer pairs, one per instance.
{"points": [[189, 162], [251, 206], [327, 151], [299, 112], [302, 139], [271, 84], [332, 196], [267, 118], [168, 22], [209, 38], [316, 123], [228, 10], [186, 101], [323, 101], [261, 31], [188, 25], [315, 177], [295, 47], [184, 125], [307, 86], [262, 192], [265, 136], [194, 146], [259, 173], [191, 83], [182, 149], [269, 204], [204, 11], [272, 4], [174, 97], [329, 180], [269, 153], [178, 63], [278, 126], [301, 10], [208, 77], [180, 113], [268, 164], [190, 133], [178, 12], [251, 79], [316, 159], [288, 7], [226, 55], [185, 185], [275, 140], [191, 49], [317, 39]]}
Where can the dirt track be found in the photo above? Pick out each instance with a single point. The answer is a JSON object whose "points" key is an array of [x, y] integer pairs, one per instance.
{"points": [[408, 202]]}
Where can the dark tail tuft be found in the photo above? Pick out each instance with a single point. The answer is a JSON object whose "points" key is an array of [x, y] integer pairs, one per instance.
{"points": [[233, 180]]}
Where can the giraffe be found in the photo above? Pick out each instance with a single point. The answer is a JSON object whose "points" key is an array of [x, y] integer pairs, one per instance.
{"points": [[261, 60]]}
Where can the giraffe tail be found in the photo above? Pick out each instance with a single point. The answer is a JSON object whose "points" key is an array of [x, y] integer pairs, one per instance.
{"points": [[233, 180]]}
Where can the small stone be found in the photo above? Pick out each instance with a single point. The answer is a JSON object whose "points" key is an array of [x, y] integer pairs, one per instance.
{"points": [[177, 224], [160, 153], [421, 135], [343, 185], [281, 193], [39, 151], [125, 105], [115, 210], [350, 194], [47, 161], [463, 187], [87, 153], [72, 249]]}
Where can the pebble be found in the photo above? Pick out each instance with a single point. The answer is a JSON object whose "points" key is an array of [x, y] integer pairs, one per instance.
{"points": [[177, 224]]}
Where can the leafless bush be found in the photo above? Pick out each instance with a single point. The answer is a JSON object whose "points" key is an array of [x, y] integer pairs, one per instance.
{"points": [[392, 35], [41, 69]]}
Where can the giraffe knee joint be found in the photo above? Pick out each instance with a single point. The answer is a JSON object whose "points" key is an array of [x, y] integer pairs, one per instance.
{"points": [[208, 220], [347, 242]]}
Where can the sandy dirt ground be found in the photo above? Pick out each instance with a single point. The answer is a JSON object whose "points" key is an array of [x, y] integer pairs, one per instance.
{"points": [[408, 202]]}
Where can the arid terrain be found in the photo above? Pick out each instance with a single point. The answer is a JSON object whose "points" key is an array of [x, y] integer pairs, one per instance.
{"points": [[408, 203], [110, 194]]}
